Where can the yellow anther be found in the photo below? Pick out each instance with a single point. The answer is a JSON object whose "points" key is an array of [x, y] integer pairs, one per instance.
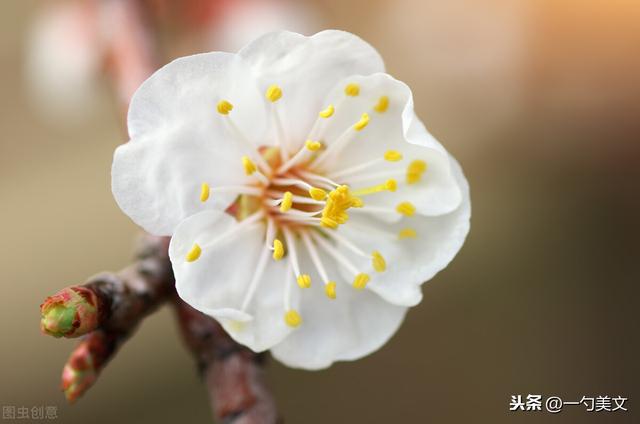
{"points": [[352, 89], [292, 318], [312, 146], [382, 105], [278, 250], [249, 166], [392, 156], [357, 202], [389, 185], [406, 233], [406, 209], [194, 253], [361, 280], [273, 93], [317, 193], [204, 192], [363, 122], [287, 202], [328, 223], [415, 170], [330, 289], [379, 264], [328, 112], [224, 107], [304, 281], [338, 202]]}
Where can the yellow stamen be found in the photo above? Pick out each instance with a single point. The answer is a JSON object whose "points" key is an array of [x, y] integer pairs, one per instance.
{"points": [[313, 146], [361, 280], [415, 170], [392, 156], [352, 90], [194, 253], [335, 210], [273, 93], [362, 123], [379, 264], [287, 202], [292, 318], [406, 233], [224, 107], [406, 209], [304, 281], [389, 185], [328, 112], [278, 250], [357, 202], [330, 289], [204, 192], [317, 193], [249, 166], [383, 104]]}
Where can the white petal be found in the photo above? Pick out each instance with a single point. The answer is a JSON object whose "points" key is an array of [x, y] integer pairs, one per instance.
{"points": [[217, 283], [307, 68], [179, 141], [158, 186], [397, 128], [186, 92], [353, 325], [410, 262]]}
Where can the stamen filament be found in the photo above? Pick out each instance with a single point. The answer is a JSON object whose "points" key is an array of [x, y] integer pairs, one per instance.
{"points": [[304, 281], [389, 156], [348, 244], [303, 153], [377, 175], [295, 198], [320, 178], [257, 277], [335, 147], [389, 185], [242, 225], [252, 191], [331, 250], [247, 145], [291, 182], [330, 286]]}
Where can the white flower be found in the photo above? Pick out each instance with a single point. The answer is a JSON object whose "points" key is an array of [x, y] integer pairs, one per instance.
{"points": [[306, 201]]}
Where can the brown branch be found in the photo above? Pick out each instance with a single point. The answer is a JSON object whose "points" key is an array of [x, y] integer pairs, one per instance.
{"points": [[107, 308], [233, 373]]}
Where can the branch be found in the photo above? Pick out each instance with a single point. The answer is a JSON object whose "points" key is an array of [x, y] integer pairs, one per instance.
{"points": [[233, 374], [108, 308]]}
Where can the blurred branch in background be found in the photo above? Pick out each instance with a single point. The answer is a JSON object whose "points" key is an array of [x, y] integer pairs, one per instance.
{"points": [[107, 309]]}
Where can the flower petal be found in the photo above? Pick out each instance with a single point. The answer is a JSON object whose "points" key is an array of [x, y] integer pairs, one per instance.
{"points": [[307, 68], [217, 282], [396, 127], [186, 92], [353, 325], [410, 261], [159, 186], [179, 141]]}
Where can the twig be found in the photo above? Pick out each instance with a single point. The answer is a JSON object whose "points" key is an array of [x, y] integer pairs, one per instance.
{"points": [[108, 308], [233, 373]]}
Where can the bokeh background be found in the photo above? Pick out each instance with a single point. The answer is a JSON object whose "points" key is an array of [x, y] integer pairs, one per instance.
{"points": [[540, 102]]}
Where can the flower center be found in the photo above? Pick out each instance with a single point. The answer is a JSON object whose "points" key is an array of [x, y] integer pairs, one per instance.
{"points": [[302, 206]]}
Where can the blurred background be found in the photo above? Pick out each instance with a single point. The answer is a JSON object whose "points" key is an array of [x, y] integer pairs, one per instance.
{"points": [[538, 99]]}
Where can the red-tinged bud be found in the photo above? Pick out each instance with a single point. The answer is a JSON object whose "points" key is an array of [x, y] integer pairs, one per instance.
{"points": [[84, 365], [71, 312]]}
